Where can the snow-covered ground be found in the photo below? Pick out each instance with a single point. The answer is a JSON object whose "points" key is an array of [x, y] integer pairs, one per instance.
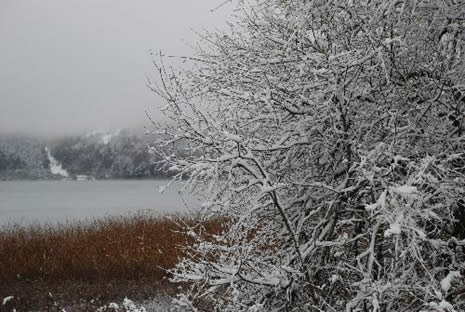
{"points": [[159, 304]]}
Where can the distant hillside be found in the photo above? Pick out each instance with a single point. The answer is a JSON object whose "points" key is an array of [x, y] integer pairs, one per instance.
{"points": [[118, 155], [23, 158], [121, 154]]}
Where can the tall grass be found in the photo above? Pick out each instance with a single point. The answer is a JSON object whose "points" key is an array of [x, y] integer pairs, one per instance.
{"points": [[126, 248]]}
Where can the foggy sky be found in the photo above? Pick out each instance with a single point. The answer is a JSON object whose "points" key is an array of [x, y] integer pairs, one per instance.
{"points": [[70, 66]]}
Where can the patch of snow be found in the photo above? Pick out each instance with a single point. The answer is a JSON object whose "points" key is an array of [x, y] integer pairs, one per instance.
{"points": [[232, 137], [158, 304], [333, 278], [267, 189], [106, 137], [443, 306], [446, 306], [130, 306], [113, 305], [446, 282], [7, 299], [371, 207], [55, 166], [380, 203], [127, 306], [394, 228], [405, 190], [174, 168]]}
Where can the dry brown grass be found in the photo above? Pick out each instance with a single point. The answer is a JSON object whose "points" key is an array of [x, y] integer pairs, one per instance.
{"points": [[131, 248], [137, 248]]}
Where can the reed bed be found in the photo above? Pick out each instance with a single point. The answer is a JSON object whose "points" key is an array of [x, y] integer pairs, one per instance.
{"points": [[118, 248]]}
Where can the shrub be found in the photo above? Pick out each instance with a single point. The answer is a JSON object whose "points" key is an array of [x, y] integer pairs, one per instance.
{"points": [[334, 131]]}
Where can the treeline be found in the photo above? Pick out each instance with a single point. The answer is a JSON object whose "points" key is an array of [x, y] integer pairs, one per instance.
{"points": [[23, 158], [123, 154]]}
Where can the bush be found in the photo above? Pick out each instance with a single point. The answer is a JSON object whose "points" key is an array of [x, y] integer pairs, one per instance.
{"points": [[332, 133]]}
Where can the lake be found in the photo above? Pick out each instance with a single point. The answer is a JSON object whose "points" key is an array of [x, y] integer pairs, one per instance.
{"points": [[27, 202]]}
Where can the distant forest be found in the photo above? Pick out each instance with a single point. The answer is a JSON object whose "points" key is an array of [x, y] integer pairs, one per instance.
{"points": [[102, 156]]}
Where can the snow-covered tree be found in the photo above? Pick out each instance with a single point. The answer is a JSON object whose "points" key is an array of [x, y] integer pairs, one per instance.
{"points": [[331, 134]]}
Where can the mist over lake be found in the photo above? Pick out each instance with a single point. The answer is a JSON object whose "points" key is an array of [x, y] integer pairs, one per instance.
{"points": [[27, 202]]}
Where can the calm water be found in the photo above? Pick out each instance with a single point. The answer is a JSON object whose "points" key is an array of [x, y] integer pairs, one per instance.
{"points": [[50, 201]]}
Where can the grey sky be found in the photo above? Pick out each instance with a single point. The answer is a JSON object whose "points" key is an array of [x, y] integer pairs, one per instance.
{"points": [[78, 65]]}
